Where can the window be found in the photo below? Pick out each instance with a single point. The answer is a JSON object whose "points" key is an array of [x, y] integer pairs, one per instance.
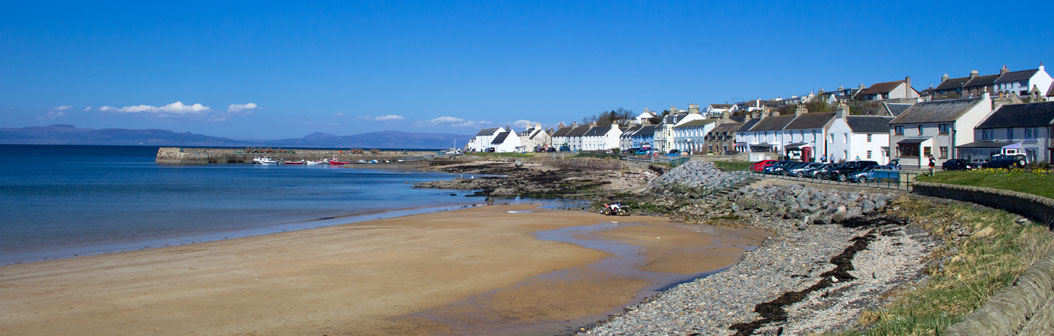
{"points": [[943, 128], [1009, 133], [920, 129], [1028, 133], [897, 130], [944, 152], [908, 151], [869, 140], [845, 137], [986, 134], [926, 151], [869, 152], [832, 138]]}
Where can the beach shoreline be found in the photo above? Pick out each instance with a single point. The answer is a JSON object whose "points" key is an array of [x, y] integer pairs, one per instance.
{"points": [[373, 277]]}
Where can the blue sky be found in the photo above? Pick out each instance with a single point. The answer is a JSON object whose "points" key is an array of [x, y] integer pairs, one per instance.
{"points": [[265, 70]]}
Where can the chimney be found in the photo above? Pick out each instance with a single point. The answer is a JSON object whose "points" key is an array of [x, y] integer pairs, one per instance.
{"points": [[693, 108], [774, 113], [1005, 70], [800, 110], [614, 126], [560, 125], [726, 115], [1041, 67], [973, 73], [907, 89], [861, 87], [944, 78], [673, 109], [840, 88], [592, 124], [841, 111], [538, 126], [574, 124], [986, 95]]}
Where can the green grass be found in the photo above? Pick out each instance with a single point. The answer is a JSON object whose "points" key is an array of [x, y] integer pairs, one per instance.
{"points": [[1016, 180], [733, 165], [996, 252], [502, 155]]}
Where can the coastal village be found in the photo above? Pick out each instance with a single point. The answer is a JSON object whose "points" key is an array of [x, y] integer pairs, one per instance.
{"points": [[973, 117]]}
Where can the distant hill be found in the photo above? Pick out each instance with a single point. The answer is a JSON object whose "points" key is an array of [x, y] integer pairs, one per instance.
{"points": [[69, 135]]}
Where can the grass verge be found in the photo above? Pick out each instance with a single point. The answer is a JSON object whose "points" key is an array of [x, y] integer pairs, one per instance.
{"points": [[984, 250], [1012, 179], [502, 155]]}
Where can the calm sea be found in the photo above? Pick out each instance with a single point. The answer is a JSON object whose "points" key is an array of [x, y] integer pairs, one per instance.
{"points": [[60, 201]]}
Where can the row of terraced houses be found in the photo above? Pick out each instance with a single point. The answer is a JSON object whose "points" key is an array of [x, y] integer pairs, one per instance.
{"points": [[971, 117]]}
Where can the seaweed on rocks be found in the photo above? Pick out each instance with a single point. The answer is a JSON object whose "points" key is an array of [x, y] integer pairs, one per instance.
{"points": [[773, 311]]}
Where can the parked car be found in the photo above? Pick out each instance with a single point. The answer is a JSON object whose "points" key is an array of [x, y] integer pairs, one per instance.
{"points": [[1005, 161], [761, 165], [958, 164], [814, 170], [674, 152], [777, 167], [799, 169], [876, 173], [842, 173]]}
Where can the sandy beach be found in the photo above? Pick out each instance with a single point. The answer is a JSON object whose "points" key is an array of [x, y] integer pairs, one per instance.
{"points": [[469, 271]]}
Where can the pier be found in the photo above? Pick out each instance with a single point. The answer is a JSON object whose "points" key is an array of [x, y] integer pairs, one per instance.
{"points": [[223, 155]]}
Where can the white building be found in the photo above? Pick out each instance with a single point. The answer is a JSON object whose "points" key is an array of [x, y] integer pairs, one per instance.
{"points": [[663, 136], [935, 129], [482, 140], [535, 138], [644, 116], [600, 138], [803, 137], [1013, 129], [506, 142], [1023, 83], [690, 137], [716, 110], [858, 138]]}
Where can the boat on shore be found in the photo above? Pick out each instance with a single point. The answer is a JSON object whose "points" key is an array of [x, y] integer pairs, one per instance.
{"points": [[335, 162], [294, 162], [266, 161], [314, 162]]}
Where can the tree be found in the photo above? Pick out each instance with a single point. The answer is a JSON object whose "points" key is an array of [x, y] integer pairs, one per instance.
{"points": [[818, 105]]}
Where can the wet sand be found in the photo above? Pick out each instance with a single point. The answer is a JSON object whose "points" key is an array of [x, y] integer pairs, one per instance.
{"points": [[468, 271]]}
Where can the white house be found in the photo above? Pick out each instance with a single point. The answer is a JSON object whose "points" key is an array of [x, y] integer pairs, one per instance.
{"points": [[601, 138], [767, 134], [483, 139], [1025, 82], [858, 138], [575, 137], [889, 90], [743, 136], [644, 116], [535, 138], [935, 129], [644, 137], [625, 141], [1013, 129], [506, 142], [803, 137], [663, 136], [690, 137], [715, 110]]}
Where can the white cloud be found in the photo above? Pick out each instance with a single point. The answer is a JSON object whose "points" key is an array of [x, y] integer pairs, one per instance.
{"points": [[173, 109], [386, 117], [86, 109], [51, 115], [523, 124], [454, 122], [340, 114], [60, 108], [234, 108]]}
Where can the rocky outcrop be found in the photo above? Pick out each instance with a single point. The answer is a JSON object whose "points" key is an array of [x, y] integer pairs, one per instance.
{"points": [[806, 205], [694, 179]]}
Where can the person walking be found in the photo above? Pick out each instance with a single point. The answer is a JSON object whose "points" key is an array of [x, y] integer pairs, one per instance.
{"points": [[932, 165]]}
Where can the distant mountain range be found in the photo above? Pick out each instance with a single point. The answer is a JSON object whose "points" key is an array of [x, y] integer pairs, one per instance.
{"points": [[69, 135]]}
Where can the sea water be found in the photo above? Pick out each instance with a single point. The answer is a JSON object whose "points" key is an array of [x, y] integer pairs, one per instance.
{"points": [[62, 201]]}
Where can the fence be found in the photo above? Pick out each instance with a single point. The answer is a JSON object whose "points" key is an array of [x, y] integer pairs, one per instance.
{"points": [[885, 179], [672, 161]]}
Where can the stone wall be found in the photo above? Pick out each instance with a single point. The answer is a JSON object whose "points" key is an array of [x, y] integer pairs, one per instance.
{"points": [[1027, 306]]}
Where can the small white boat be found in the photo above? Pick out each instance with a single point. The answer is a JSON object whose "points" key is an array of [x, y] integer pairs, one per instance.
{"points": [[265, 161], [312, 163]]}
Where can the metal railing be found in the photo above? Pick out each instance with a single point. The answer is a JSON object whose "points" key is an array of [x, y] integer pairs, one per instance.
{"points": [[884, 179]]}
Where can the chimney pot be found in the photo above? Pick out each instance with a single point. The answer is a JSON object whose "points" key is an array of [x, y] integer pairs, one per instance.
{"points": [[973, 73], [944, 78]]}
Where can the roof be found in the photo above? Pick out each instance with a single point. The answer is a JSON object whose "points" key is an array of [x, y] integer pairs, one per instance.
{"points": [[1020, 115], [868, 124], [727, 127], [487, 131], [773, 123], [597, 131], [629, 131], [721, 106], [979, 81], [578, 131], [1016, 76], [648, 130], [748, 124], [884, 87], [810, 121], [500, 138], [936, 111], [986, 144], [1050, 92], [896, 109], [696, 123], [953, 83], [742, 118], [912, 141], [562, 131], [673, 118]]}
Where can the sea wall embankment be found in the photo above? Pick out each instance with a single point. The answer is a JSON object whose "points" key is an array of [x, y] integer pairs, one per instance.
{"points": [[205, 155], [1026, 307]]}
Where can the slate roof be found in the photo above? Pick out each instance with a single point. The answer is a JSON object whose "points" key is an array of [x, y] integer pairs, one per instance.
{"points": [[981, 81], [953, 83], [487, 131], [987, 144], [773, 123], [721, 106], [1050, 92], [1016, 76], [743, 118], [673, 118], [727, 127], [597, 131], [748, 124], [500, 138], [896, 109], [646, 131], [696, 123], [935, 111], [868, 124], [629, 131], [562, 132], [578, 131], [1021, 115], [810, 121], [884, 87]]}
